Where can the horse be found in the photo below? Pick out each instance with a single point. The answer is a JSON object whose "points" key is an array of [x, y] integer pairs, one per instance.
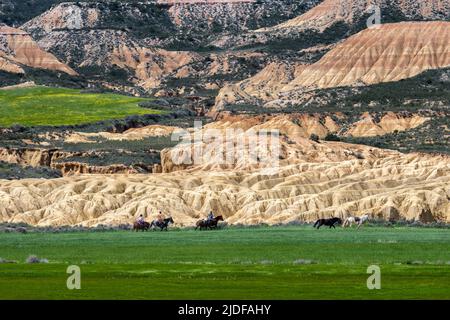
{"points": [[162, 225], [204, 224], [141, 226], [355, 220], [328, 222]]}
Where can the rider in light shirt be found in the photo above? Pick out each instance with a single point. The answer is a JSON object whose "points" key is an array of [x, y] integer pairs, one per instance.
{"points": [[160, 217]]}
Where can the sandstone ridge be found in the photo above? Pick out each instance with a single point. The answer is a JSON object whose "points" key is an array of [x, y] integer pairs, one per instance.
{"points": [[18, 49], [389, 53]]}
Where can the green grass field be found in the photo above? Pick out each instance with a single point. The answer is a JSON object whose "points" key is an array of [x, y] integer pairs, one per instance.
{"points": [[43, 106], [234, 263]]}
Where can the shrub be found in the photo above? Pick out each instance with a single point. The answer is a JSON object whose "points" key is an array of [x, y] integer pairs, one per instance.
{"points": [[34, 259], [314, 137], [332, 137], [304, 261], [6, 261]]}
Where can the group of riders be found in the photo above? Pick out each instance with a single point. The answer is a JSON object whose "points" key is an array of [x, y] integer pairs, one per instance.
{"points": [[162, 222], [211, 222], [159, 219]]}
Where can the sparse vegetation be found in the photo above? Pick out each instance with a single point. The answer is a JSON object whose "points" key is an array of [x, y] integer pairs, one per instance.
{"points": [[314, 137], [14, 171], [332, 137], [424, 94], [431, 137]]}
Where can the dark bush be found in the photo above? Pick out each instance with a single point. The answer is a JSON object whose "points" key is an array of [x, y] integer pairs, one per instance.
{"points": [[314, 137], [332, 137]]}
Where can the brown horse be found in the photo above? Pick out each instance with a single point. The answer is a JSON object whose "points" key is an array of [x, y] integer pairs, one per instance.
{"points": [[204, 224], [141, 226]]}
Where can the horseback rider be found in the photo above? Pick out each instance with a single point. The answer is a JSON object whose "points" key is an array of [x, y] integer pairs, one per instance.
{"points": [[140, 220], [160, 218], [210, 217]]}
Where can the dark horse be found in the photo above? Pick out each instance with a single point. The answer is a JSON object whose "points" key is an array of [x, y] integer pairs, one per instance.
{"points": [[141, 226], [328, 222], [204, 224], [162, 225]]}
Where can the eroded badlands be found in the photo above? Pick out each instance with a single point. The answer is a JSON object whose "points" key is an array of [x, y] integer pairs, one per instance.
{"points": [[385, 184]]}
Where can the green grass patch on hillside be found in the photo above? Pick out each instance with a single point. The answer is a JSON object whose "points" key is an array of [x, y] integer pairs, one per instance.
{"points": [[294, 262], [44, 106]]}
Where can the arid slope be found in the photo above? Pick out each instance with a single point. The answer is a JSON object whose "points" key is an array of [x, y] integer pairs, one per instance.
{"points": [[391, 52], [329, 12], [18, 49], [313, 179]]}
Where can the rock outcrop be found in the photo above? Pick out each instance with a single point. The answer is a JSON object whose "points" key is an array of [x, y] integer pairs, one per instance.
{"points": [[391, 122], [330, 12], [69, 16], [61, 161], [406, 184], [30, 157], [391, 52], [150, 65], [308, 179], [18, 49], [304, 125], [77, 168], [130, 134], [155, 44]]}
